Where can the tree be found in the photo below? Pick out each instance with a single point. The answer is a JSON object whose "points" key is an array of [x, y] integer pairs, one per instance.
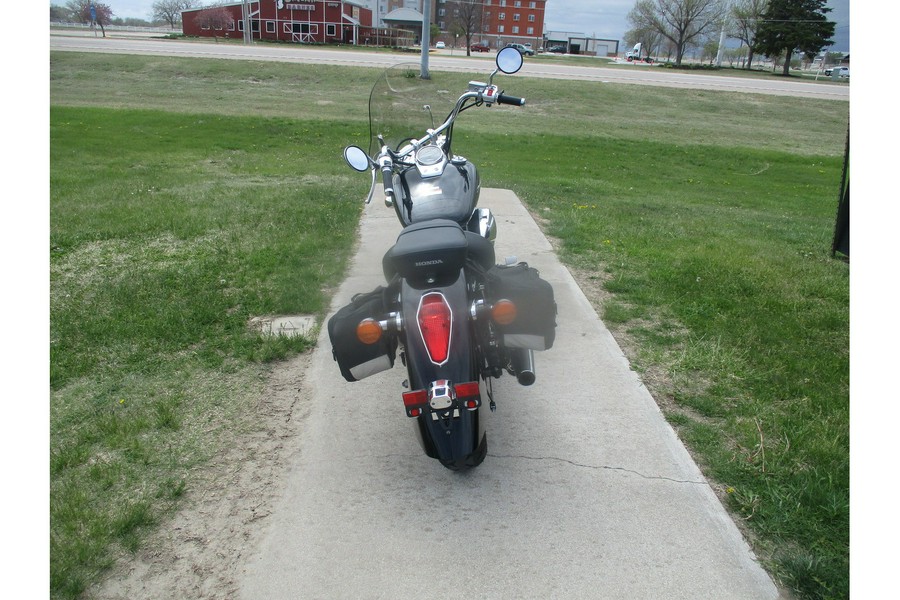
{"points": [[170, 10], [59, 13], [682, 22], [215, 18], [467, 19], [789, 26], [649, 39], [81, 10], [746, 15]]}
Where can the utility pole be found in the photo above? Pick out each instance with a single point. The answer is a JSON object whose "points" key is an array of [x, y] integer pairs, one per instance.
{"points": [[721, 47], [248, 34], [426, 37]]}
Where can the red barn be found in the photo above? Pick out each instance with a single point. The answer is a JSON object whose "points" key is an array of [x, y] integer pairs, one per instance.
{"points": [[307, 21]]}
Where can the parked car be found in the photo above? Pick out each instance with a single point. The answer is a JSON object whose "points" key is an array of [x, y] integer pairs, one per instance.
{"points": [[480, 48], [440, 45], [843, 72], [557, 49], [526, 50]]}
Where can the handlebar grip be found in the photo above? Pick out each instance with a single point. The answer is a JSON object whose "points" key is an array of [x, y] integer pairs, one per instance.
{"points": [[387, 177], [512, 100]]}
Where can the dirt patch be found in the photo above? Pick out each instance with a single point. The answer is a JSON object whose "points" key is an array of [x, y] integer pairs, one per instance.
{"points": [[199, 552]]}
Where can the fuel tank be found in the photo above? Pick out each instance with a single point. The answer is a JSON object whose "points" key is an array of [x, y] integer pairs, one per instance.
{"points": [[451, 195]]}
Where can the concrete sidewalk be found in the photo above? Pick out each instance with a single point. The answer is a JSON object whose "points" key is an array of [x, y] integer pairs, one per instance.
{"points": [[586, 492]]}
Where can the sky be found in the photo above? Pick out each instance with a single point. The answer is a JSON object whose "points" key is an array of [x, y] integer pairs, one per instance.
{"points": [[607, 19], [597, 18]]}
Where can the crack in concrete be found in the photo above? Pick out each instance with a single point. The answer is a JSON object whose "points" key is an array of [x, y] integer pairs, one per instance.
{"points": [[598, 467]]}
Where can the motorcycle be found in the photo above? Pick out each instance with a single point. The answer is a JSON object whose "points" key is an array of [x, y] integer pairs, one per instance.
{"points": [[457, 318]]}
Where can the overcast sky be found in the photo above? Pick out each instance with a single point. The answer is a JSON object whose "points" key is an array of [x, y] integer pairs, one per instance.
{"points": [[600, 18]]}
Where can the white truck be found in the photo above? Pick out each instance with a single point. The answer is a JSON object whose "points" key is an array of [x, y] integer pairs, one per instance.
{"points": [[634, 55]]}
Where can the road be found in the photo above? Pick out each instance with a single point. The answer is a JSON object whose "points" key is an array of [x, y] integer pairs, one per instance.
{"points": [[632, 74], [586, 491]]}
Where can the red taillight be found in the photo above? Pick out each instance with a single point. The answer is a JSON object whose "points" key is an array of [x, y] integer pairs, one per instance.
{"points": [[415, 402], [434, 322]]}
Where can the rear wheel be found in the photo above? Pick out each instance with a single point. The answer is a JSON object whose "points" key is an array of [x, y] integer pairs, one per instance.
{"points": [[471, 461]]}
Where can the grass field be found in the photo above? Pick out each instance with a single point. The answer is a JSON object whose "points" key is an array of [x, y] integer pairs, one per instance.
{"points": [[189, 195]]}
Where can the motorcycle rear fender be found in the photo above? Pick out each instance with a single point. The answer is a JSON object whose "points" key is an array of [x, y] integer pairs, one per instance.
{"points": [[460, 366], [458, 437]]}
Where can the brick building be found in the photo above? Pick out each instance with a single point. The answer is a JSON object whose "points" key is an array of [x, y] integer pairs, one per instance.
{"points": [[307, 21], [502, 21]]}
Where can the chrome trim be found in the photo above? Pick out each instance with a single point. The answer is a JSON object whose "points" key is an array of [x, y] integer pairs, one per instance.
{"points": [[487, 224], [441, 395]]}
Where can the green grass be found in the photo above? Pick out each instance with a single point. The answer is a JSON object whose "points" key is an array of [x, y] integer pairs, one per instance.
{"points": [[718, 261], [175, 217], [168, 233]]}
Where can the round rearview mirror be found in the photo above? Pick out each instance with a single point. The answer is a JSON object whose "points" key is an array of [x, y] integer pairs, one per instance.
{"points": [[357, 158], [509, 60]]}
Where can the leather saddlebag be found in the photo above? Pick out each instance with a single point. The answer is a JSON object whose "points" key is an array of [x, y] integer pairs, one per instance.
{"points": [[356, 359], [534, 327]]}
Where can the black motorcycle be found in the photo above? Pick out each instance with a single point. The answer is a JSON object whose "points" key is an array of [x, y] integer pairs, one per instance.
{"points": [[456, 318]]}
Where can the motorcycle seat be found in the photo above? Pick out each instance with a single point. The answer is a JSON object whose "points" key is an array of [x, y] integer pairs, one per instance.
{"points": [[433, 248]]}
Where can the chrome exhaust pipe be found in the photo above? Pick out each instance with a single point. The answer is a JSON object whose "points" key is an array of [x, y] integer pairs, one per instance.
{"points": [[522, 362]]}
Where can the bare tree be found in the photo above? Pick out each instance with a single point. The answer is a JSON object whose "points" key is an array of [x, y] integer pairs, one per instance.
{"points": [[215, 18], [170, 10], [467, 19], [745, 18], [648, 38], [682, 22]]}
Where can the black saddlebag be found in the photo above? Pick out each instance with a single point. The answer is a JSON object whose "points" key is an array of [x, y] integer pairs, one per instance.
{"points": [[355, 359], [534, 327]]}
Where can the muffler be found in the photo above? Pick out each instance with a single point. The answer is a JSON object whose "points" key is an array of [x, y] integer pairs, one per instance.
{"points": [[522, 363]]}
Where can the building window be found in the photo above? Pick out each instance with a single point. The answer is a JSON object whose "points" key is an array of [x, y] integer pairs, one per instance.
{"points": [[500, 29], [331, 29], [532, 5], [270, 26], [531, 18], [441, 12], [502, 2], [517, 4], [530, 31], [502, 16], [515, 30], [516, 17]]}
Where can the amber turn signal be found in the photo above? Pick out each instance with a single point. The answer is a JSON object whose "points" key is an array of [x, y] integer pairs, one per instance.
{"points": [[503, 312], [368, 331]]}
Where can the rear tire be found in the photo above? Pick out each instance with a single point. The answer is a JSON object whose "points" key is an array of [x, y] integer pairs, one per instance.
{"points": [[471, 461]]}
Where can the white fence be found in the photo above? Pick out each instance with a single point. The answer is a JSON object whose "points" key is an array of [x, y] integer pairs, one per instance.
{"points": [[165, 29]]}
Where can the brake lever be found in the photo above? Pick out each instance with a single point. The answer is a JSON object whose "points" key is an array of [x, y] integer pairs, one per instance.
{"points": [[372, 186]]}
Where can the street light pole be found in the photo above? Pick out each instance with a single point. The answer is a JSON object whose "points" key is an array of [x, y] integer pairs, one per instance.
{"points": [[248, 34], [426, 37]]}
